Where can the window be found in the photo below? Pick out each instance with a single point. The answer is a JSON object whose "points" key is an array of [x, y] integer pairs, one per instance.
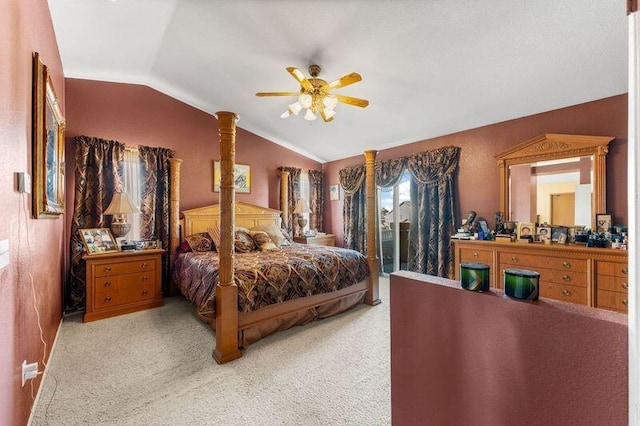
{"points": [[132, 181], [305, 192]]}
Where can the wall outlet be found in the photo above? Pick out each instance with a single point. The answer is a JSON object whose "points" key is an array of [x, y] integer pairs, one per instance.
{"points": [[29, 371], [24, 182]]}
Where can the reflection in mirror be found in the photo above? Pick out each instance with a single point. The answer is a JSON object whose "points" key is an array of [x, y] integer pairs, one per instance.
{"points": [[558, 192]]}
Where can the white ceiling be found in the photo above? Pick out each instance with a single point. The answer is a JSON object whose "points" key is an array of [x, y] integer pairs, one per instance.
{"points": [[429, 67]]}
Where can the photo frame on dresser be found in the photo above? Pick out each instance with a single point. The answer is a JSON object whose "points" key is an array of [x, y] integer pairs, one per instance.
{"points": [[557, 233], [48, 145], [604, 222], [98, 241], [525, 230], [241, 174]]}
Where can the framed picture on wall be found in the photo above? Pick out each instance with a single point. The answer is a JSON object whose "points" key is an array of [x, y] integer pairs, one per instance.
{"points": [[603, 222], [334, 192], [241, 175]]}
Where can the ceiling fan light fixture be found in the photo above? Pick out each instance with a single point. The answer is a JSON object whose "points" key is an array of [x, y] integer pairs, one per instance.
{"points": [[328, 113], [310, 116], [286, 114], [295, 107], [306, 100], [330, 102]]}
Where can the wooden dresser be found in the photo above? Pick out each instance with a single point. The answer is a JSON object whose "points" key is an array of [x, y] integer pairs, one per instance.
{"points": [[588, 276], [318, 240], [123, 282]]}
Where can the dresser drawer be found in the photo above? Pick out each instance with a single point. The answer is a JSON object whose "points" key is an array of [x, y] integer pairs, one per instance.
{"points": [[569, 265], [612, 300], [524, 261], [567, 277], [611, 283], [476, 256], [106, 299], [565, 293], [106, 284], [613, 269]]}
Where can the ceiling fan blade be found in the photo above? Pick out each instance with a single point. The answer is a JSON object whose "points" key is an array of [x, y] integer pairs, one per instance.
{"points": [[362, 103], [278, 94], [325, 118], [297, 74], [346, 80]]}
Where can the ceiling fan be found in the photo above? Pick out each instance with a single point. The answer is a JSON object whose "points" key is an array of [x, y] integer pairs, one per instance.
{"points": [[316, 95]]}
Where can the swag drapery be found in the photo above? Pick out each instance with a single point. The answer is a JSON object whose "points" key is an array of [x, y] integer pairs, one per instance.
{"points": [[293, 190], [98, 175], [434, 206]]}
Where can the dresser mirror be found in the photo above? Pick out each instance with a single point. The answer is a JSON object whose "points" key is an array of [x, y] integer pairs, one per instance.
{"points": [[560, 178]]}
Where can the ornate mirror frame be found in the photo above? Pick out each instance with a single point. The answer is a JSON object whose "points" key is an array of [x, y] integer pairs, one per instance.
{"points": [[551, 146]]}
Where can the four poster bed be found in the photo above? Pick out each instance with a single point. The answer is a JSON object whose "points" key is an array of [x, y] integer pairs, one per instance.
{"points": [[246, 296]]}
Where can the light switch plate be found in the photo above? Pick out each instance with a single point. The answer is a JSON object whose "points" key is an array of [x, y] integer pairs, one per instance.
{"points": [[24, 182], [4, 253]]}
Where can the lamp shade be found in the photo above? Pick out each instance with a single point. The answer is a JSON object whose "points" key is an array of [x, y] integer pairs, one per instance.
{"points": [[302, 206], [121, 204]]}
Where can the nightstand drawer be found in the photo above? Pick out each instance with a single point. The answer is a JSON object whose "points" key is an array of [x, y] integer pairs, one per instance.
{"points": [[106, 299]]}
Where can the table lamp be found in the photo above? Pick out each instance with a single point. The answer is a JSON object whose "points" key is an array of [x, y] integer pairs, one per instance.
{"points": [[121, 205], [302, 207]]}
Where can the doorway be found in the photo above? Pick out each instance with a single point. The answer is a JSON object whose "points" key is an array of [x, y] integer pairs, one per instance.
{"points": [[563, 209], [394, 221]]}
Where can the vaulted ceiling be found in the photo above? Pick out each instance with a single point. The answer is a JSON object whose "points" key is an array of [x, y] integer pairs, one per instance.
{"points": [[429, 67]]}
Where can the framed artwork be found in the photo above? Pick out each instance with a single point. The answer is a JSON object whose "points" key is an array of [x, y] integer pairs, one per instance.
{"points": [[544, 232], [525, 230], [98, 240], [241, 174], [557, 232], [48, 145], [603, 222], [334, 192]]}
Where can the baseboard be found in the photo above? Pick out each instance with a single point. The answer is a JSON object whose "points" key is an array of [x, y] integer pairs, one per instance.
{"points": [[44, 373]]}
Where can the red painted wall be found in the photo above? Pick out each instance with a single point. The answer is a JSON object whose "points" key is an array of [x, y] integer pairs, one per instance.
{"points": [[462, 358], [478, 177], [35, 246]]}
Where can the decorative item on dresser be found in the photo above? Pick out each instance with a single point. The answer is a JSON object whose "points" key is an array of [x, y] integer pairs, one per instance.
{"points": [[571, 273], [319, 239], [120, 206], [302, 208], [122, 282]]}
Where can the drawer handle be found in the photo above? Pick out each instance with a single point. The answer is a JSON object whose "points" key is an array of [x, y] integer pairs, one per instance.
{"points": [[625, 286], [145, 278], [625, 271], [514, 259], [107, 284], [475, 255], [625, 303], [145, 292], [144, 265], [566, 264], [566, 292], [566, 277], [107, 299], [107, 268]]}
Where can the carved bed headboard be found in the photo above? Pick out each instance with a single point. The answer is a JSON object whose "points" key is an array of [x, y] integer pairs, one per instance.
{"points": [[247, 216]]}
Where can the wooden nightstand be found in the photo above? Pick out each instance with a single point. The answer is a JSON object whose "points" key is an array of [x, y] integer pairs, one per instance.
{"points": [[123, 282], [318, 240]]}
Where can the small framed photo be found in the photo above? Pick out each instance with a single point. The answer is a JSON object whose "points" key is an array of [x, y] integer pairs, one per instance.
{"points": [[484, 226], [525, 230], [543, 232], [241, 177], [98, 240], [557, 231], [334, 192], [603, 222], [562, 238]]}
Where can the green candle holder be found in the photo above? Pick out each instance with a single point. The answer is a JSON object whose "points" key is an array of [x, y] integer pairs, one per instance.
{"points": [[521, 284], [474, 276]]}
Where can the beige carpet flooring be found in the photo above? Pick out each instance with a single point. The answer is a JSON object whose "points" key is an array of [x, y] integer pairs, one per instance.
{"points": [[155, 368]]}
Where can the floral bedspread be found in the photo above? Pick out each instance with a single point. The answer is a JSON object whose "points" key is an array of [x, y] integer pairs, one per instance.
{"points": [[267, 277]]}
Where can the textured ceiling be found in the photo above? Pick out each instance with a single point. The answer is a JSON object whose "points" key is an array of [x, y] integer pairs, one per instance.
{"points": [[429, 67]]}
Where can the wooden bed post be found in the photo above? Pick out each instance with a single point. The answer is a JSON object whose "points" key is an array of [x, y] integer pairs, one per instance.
{"points": [[372, 297], [174, 215], [226, 291], [284, 197]]}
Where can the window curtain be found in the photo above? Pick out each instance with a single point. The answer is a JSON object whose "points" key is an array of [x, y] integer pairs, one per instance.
{"points": [[98, 175], [293, 189], [389, 172], [352, 180], [154, 216], [434, 205], [316, 201]]}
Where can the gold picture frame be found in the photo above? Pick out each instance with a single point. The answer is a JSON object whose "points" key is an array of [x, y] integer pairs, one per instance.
{"points": [[48, 145], [525, 230], [242, 177], [98, 241]]}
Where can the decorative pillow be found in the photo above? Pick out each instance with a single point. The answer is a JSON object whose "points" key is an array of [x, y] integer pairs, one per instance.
{"points": [[214, 233], [274, 233], [184, 247], [243, 242], [263, 241], [200, 242]]}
